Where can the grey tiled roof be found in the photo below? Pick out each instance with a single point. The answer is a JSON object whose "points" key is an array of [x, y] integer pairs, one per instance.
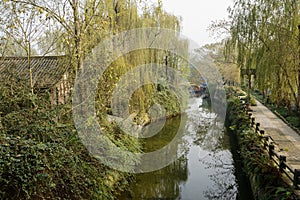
{"points": [[46, 70]]}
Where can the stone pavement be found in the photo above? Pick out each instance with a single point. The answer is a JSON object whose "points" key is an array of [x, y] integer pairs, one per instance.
{"points": [[286, 139]]}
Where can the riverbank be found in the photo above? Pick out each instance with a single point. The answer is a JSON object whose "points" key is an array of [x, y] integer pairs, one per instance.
{"points": [[265, 178]]}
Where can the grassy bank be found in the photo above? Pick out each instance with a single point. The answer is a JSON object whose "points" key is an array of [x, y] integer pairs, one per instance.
{"points": [[265, 178]]}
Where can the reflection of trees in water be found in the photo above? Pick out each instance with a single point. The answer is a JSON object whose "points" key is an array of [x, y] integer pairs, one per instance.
{"points": [[210, 134], [163, 183], [164, 137], [211, 137], [224, 183]]}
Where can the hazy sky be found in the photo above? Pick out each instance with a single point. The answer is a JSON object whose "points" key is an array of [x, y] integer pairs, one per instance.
{"points": [[197, 16]]}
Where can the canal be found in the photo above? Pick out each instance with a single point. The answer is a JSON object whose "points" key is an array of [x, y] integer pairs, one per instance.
{"points": [[205, 171]]}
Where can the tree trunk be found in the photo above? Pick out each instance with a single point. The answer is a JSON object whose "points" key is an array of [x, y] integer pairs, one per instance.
{"points": [[78, 50], [29, 65], [298, 103]]}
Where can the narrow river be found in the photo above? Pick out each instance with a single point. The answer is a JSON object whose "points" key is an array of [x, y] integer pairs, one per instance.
{"points": [[205, 171]]}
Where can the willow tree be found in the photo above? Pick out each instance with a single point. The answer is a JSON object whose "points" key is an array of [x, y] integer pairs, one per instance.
{"points": [[264, 32], [125, 15]]}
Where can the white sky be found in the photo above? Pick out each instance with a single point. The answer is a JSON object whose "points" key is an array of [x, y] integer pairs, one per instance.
{"points": [[197, 16]]}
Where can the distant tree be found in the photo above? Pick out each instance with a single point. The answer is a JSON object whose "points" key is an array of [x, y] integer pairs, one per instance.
{"points": [[226, 65], [265, 36]]}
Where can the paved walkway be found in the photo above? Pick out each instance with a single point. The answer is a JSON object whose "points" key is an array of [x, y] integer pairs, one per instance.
{"points": [[286, 139]]}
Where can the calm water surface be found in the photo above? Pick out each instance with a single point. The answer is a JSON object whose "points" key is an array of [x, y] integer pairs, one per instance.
{"points": [[205, 171]]}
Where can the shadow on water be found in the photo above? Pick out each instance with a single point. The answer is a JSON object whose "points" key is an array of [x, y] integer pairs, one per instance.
{"points": [[242, 180], [205, 171]]}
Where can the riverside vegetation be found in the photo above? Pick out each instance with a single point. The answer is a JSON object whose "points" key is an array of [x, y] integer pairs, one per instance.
{"points": [[42, 158], [265, 178]]}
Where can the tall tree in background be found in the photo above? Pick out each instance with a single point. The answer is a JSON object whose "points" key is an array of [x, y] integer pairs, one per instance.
{"points": [[227, 65], [264, 33]]}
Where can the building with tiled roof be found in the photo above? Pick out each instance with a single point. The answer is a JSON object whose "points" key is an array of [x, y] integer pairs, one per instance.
{"points": [[48, 73]]}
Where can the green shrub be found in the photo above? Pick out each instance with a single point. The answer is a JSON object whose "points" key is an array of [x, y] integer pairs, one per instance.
{"points": [[293, 120], [253, 101], [43, 159]]}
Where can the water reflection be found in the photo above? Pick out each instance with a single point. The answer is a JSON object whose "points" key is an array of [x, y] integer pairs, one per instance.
{"points": [[164, 183], [206, 169]]}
